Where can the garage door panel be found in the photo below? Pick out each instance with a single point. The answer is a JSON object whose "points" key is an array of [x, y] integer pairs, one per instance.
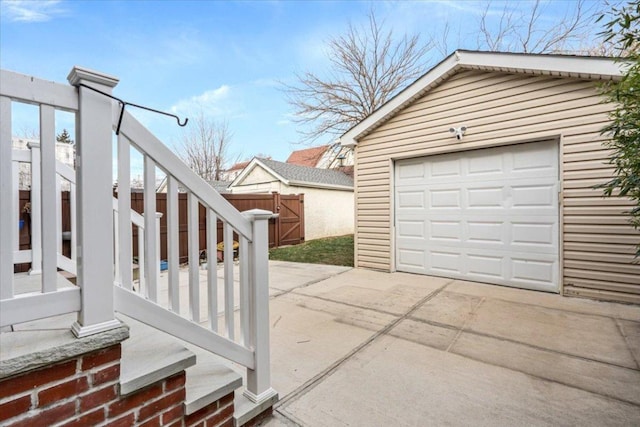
{"points": [[531, 233], [445, 261], [525, 270], [446, 198], [411, 199], [486, 265], [445, 230], [485, 197], [534, 196], [485, 166], [489, 215], [411, 171], [411, 229], [447, 168], [538, 160], [412, 259]]}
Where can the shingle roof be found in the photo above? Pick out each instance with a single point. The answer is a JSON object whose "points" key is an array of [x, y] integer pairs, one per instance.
{"points": [[304, 174], [220, 186], [307, 157]]}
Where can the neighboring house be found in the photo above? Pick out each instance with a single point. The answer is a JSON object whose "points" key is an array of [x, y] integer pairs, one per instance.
{"points": [[328, 194], [309, 157], [509, 200], [65, 153], [323, 157], [231, 173]]}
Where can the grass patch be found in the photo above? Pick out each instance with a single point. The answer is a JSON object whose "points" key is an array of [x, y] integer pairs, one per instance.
{"points": [[331, 251]]}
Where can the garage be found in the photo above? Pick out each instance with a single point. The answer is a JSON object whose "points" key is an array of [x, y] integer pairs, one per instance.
{"points": [[488, 215]]}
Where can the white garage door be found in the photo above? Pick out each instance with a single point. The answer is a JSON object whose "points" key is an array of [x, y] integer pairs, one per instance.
{"points": [[488, 215]]}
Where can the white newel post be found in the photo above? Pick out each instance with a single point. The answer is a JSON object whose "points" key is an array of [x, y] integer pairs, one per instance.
{"points": [[94, 207], [259, 379]]}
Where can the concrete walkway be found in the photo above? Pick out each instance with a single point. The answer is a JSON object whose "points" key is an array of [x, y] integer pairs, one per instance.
{"points": [[354, 347]]}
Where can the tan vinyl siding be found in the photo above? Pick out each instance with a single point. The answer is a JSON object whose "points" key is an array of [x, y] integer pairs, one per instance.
{"points": [[502, 109]]}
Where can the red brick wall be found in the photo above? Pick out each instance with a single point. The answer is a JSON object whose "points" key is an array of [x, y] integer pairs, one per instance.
{"points": [[84, 391]]}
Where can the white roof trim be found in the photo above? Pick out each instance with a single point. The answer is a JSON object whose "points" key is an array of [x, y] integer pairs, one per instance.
{"points": [[322, 186], [590, 68], [251, 166]]}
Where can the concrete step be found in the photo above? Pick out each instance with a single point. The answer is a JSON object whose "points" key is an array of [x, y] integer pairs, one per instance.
{"points": [[245, 409], [150, 355], [208, 380]]}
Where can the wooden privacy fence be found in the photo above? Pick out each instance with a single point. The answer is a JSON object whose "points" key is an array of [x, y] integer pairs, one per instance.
{"points": [[286, 229]]}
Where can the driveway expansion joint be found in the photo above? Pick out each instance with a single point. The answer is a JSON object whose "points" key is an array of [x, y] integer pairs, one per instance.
{"points": [[313, 382]]}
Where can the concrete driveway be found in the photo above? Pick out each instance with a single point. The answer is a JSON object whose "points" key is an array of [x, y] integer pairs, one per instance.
{"points": [[354, 347]]}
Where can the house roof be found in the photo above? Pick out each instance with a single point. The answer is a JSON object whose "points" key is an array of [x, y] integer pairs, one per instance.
{"points": [[220, 186], [238, 166], [307, 157], [581, 67], [302, 176]]}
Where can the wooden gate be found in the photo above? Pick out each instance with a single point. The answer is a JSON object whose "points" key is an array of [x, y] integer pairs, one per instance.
{"points": [[290, 223]]}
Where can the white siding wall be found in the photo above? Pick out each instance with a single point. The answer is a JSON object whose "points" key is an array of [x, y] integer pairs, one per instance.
{"points": [[501, 109]]}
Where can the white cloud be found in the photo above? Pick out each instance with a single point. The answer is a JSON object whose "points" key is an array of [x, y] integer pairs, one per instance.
{"points": [[212, 102], [31, 11]]}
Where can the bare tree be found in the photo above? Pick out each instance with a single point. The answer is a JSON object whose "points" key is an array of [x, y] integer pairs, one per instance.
{"points": [[519, 30], [204, 146], [367, 67]]}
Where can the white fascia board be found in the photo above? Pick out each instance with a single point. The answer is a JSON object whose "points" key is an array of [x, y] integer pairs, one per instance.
{"points": [[321, 186], [245, 171], [349, 139], [592, 68], [255, 162]]}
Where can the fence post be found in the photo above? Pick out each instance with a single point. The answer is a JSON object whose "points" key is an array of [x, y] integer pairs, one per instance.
{"points": [[94, 186], [259, 379]]}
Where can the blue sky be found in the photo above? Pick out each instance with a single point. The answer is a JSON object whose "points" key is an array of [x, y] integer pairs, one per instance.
{"points": [[224, 57]]}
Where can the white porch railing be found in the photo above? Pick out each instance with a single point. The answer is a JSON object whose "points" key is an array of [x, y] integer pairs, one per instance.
{"points": [[230, 322]]}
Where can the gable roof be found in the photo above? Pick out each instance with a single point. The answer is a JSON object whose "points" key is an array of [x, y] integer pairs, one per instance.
{"points": [[302, 176], [581, 67], [307, 157]]}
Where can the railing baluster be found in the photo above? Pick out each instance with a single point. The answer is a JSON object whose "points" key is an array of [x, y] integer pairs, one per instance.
{"points": [[212, 268], [142, 275], [15, 198], [36, 210], [58, 213], [173, 243], [74, 234], [6, 201], [244, 291], [228, 280], [156, 230], [194, 258], [116, 245], [149, 228], [124, 247], [49, 194]]}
